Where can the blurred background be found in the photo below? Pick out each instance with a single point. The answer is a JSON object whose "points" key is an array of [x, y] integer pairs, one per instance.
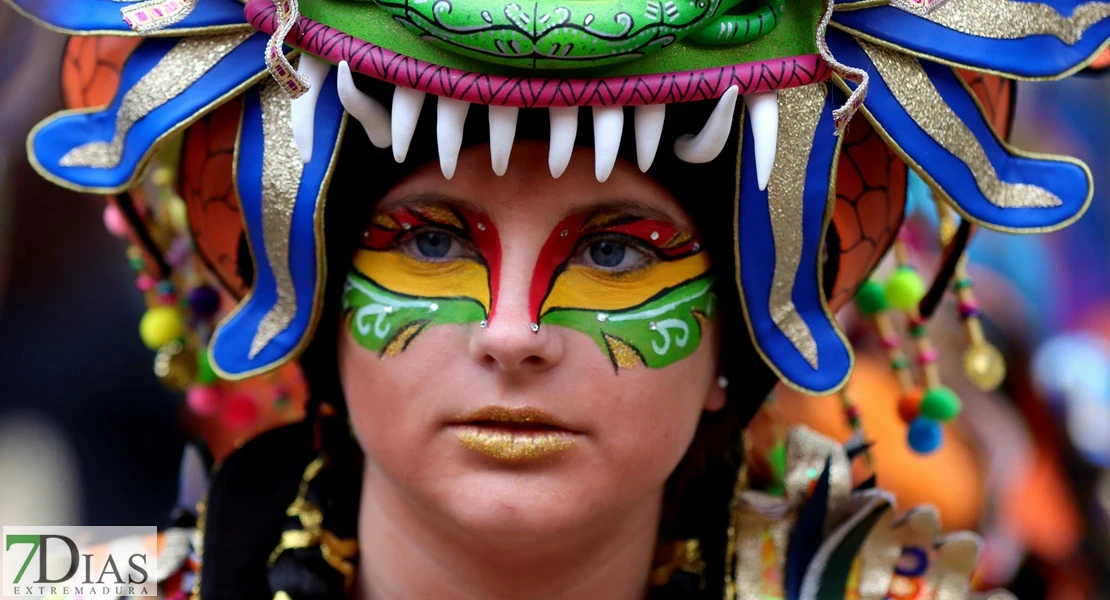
{"points": [[90, 428]]}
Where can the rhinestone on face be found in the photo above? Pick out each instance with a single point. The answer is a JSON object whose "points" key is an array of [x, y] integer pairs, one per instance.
{"points": [[365, 234], [602, 317], [654, 235], [651, 326], [535, 327], [563, 233], [433, 307], [389, 310], [406, 226], [481, 226], [483, 324], [696, 247]]}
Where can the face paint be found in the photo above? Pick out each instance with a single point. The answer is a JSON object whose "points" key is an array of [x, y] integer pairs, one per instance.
{"points": [[418, 267], [649, 310]]}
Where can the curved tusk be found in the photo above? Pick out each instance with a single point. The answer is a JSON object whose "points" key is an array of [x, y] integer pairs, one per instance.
{"points": [[502, 132], [407, 103], [649, 128], [450, 119], [763, 110], [707, 145], [303, 110], [373, 116], [608, 129], [564, 130]]}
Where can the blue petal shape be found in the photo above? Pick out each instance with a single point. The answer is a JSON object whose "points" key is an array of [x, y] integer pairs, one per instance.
{"points": [[1067, 179], [58, 134], [1030, 56], [103, 17], [756, 265], [231, 345]]}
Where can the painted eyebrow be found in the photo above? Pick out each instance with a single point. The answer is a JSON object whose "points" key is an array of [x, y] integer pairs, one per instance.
{"points": [[428, 199], [633, 208]]}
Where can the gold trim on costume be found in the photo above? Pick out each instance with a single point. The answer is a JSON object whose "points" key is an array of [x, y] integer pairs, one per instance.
{"points": [[176, 32], [336, 551], [181, 67], [281, 181], [911, 87], [1008, 20], [786, 201], [829, 203]]}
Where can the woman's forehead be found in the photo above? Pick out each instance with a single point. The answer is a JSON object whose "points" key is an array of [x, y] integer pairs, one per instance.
{"points": [[527, 191]]}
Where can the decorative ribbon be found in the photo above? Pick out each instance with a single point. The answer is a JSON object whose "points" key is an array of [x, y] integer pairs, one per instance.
{"points": [[153, 15], [291, 81]]}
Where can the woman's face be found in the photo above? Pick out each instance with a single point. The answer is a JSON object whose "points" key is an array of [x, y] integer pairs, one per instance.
{"points": [[523, 354]]}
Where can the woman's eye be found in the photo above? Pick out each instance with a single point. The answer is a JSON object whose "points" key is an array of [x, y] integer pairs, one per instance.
{"points": [[433, 245], [614, 255]]}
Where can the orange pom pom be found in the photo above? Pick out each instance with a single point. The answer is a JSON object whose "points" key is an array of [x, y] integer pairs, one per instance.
{"points": [[909, 407]]}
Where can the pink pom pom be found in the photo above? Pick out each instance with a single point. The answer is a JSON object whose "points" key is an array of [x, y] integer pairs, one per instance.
{"points": [[241, 412], [204, 400], [145, 283], [928, 356], [114, 221]]}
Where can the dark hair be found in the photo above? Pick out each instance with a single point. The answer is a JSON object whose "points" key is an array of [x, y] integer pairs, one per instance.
{"points": [[698, 493]]}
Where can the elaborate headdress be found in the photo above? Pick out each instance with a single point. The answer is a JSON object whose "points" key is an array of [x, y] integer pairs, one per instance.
{"points": [[816, 196]]}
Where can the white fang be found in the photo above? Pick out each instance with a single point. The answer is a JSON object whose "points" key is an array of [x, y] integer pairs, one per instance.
{"points": [[502, 132], [649, 127], [450, 119], [608, 128], [373, 116], [764, 115], [564, 130], [303, 111], [407, 103], [705, 146]]}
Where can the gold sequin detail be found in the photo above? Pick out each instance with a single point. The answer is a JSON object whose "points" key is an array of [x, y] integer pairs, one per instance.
{"points": [[786, 199], [509, 446], [910, 85], [623, 355], [336, 551], [385, 221], [402, 339], [179, 69], [1008, 20], [281, 179], [440, 215]]}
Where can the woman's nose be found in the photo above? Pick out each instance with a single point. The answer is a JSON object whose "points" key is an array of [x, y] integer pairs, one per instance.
{"points": [[510, 341]]}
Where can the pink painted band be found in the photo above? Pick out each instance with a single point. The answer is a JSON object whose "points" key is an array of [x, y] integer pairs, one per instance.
{"points": [[538, 91]]}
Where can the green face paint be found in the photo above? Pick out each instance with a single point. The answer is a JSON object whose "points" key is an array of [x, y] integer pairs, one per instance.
{"points": [[385, 322], [658, 333]]}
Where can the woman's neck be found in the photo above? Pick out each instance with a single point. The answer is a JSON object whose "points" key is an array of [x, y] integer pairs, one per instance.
{"points": [[405, 552]]}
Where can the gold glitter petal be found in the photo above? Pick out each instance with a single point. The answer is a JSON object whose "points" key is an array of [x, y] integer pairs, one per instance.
{"points": [[281, 179], [910, 85], [179, 69], [786, 199], [623, 355], [402, 339], [1008, 19], [441, 216]]}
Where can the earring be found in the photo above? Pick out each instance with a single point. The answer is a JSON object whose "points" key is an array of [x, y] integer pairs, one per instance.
{"points": [[722, 382]]}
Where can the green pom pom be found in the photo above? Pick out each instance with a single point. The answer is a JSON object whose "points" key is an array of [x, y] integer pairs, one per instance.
{"points": [[871, 299], [904, 289], [205, 374], [940, 404], [777, 458]]}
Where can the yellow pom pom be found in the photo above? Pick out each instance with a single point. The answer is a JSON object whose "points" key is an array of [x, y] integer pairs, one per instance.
{"points": [[178, 213], [162, 176], [160, 326]]}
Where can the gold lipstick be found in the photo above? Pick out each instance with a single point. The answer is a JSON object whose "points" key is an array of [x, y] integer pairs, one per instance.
{"points": [[513, 434]]}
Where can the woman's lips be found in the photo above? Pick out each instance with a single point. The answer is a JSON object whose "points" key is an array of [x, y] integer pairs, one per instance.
{"points": [[513, 434]]}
